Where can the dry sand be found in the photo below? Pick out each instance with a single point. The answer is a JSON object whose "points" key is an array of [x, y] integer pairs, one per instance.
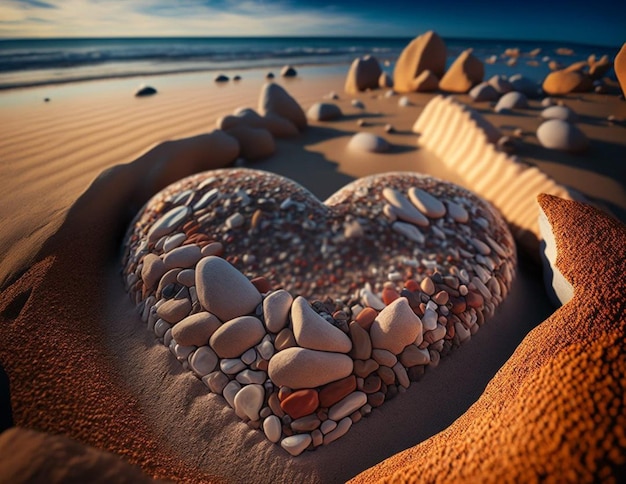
{"points": [[80, 361]]}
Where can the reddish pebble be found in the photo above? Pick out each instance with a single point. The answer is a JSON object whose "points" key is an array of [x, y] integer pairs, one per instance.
{"points": [[457, 305], [262, 284], [284, 392], [366, 318], [389, 295], [376, 399], [336, 391], [300, 403], [441, 298], [411, 285], [364, 368], [372, 384], [474, 300]]}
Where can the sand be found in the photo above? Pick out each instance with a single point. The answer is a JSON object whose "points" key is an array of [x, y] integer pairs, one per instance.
{"points": [[80, 361]]}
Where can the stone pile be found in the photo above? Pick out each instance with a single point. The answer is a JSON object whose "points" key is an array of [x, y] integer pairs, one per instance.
{"points": [[305, 316]]}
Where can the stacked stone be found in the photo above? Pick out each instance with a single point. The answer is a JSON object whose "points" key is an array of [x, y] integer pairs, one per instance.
{"points": [[431, 262]]}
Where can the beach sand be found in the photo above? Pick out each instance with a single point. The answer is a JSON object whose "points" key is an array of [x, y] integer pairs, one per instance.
{"points": [[79, 359]]}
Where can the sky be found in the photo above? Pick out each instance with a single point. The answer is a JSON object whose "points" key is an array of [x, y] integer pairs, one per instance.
{"points": [[567, 21]]}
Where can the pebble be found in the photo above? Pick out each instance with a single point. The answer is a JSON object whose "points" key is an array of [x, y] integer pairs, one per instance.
{"points": [[328, 426], [371, 300], [276, 307], [152, 270], [272, 428], [413, 356], [234, 337], [404, 102], [234, 221], [216, 381], [366, 317], [232, 366], [230, 391], [346, 406], [214, 248], [313, 332], [183, 257], [357, 104], [196, 329], [248, 377], [361, 342], [429, 320], [336, 391], [203, 361], [368, 142], [223, 290], [457, 212], [300, 403], [248, 402], [342, 429], [304, 368], [428, 204], [174, 310], [403, 208], [410, 231], [384, 357], [306, 424], [561, 135], [284, 339], [403, 378], [395, 327], [173, 241], [559, 112], [462, 332], [296, 444], [511, 100], [167, 223], [324, 112]]}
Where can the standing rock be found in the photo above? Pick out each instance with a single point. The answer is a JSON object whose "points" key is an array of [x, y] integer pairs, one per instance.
{"points": [[288, 71], [314, 332], [223, 290], [274, 99], [464, 73], [363, 74], [426, 52], [385, 81], [395, 327]]}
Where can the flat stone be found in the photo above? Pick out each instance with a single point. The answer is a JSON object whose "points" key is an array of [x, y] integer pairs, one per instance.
{"points": [[314, 332], [559, 112], [174, 310], [203, 361], [174, 241], [248, 402], [342, 429], [183, 257], [236, 336], [196, 329], [276, 306], [428, 204], [187, 277], [336, 391], [273, 429], [296, 444], [395, 327], [232, 366], [300, 403], [347, 405], [167, 223], [230, 392], [403, 208], [299, 368], [401, 375], [361, 342], [248, 377], [457, 212], [223, 290], [566, 81], [409, 231]]}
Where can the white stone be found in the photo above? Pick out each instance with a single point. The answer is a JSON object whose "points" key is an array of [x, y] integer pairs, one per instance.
{"points": [[429, 320], [511, 100], [314, 332], [559, 112], [236, 336], [368, 298], [232, 366], [272, 428], [174, 241], [248, 402], [324, 112], [296, 444], [484, 92], [203, 361], [428, 204]]}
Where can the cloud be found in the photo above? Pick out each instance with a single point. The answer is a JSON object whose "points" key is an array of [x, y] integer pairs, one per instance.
{"points": [[106, 18]]}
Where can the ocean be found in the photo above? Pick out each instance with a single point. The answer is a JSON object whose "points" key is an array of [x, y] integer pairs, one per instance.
{"points": [[40, 62]]}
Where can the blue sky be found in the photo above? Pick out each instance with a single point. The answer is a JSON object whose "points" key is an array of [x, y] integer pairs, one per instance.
{"points": [[566, 21]]}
